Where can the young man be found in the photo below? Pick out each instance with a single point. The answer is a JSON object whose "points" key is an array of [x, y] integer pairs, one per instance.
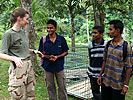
{"points": [[55, 48], [15, 48], [115, 83], [96, 48]]}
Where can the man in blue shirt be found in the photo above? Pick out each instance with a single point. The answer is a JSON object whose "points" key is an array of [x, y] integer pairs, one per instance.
{"points": [[55, 48]]}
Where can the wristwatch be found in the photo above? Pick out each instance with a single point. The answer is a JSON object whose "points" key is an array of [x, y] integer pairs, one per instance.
{"points": [[126, 86], [33, 51]]}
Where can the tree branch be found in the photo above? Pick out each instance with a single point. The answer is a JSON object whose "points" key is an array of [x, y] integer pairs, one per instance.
{"points": [[113, 8]]}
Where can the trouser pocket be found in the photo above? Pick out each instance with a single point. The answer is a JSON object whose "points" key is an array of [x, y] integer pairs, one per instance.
{"points": [[16, 92]]}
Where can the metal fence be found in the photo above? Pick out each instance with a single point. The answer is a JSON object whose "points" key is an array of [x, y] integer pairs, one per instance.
{"points": [[76, 66]]}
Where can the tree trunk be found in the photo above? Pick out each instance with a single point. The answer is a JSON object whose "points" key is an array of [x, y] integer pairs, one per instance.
{"points": [[72, 24], [73, 34], [87, 27], [99, 15], [30, 32]]}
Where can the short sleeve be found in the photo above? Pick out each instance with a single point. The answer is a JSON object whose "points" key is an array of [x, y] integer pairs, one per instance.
{"points": [[65, 46], [6, 43], [41, 45], [105, 52], [129, 58]]}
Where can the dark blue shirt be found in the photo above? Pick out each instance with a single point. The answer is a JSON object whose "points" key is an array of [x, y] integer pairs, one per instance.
{"points": [[58, 47]]}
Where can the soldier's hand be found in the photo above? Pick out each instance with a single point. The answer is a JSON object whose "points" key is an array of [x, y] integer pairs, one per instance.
{"points": [[18, 62]]}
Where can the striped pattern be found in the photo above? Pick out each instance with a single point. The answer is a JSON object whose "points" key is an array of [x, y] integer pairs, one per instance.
{"points": [[115, 64], [96, 58]]}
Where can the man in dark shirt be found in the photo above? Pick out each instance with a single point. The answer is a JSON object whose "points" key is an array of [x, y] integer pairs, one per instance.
{"points": [[96, 48], [55, 48]]}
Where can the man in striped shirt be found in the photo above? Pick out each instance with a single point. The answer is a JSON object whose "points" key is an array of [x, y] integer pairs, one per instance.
{"points": [[115, 86], [96, 48]]}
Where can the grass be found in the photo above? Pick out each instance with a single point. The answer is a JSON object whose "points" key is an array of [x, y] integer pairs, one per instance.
{"points": [[40, 90], [129, 95], [3, 79]]}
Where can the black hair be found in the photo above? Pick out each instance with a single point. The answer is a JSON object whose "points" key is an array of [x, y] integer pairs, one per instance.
{"points": [[117, 25], [53, 22], [99, 28]]}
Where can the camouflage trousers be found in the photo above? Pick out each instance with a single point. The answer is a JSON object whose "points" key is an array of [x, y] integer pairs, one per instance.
{"points": [[22, 82]]}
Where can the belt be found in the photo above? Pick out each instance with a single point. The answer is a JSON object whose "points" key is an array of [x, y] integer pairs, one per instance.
{"points": [[28, 58]]}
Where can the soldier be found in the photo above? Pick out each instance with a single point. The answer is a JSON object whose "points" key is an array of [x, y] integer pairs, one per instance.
{"points": [[15, 48]]}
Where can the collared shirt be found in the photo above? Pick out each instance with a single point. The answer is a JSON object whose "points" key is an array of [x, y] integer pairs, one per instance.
{"points": [[15, 44], [58, 47], [96, 57], [115, 64]]}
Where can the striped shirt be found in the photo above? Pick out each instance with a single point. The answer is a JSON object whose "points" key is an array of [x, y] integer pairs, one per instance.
{"points": [[96, 58], [115, 64]]}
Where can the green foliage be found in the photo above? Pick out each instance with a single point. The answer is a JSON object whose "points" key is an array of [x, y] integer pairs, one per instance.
{"points": [[68, 40], [125, 18], [38, 11], [83, 39], [42, 10], [39, 14], [65, 26], [55, 7], [5, 11], [0, 36], [80, 23]]}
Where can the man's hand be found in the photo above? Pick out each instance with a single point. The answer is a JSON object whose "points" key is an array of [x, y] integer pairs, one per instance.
{"points": [[39, 53], [53, 58], [18, 62], [124, 90], [99, 80]]}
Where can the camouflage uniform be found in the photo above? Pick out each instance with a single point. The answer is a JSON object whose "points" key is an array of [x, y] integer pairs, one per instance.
{"points": [[22, 82]]}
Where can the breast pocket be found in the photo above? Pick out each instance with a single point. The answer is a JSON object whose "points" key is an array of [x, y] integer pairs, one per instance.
{"points": [[59, 49]]}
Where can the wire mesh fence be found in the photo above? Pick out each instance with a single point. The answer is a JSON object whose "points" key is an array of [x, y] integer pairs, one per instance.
{"points": [[76, 66]]}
